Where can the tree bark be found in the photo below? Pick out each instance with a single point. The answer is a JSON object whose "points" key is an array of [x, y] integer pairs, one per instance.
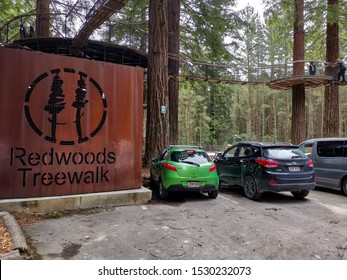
{"points": [[157, 132], [298, 131], [331, 93], [250, 113], [310, 114], [42, 18], [174, 51], [271, 118]]}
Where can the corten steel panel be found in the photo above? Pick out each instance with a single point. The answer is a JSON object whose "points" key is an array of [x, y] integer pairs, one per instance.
{"points": [[68, 125]]}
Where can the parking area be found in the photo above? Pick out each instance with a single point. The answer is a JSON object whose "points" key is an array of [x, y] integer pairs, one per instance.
{"points": [[190, 226]]}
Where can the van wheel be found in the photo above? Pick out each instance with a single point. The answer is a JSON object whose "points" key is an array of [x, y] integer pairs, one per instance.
{"points": [[300, 194], [250, 188], [344, 187]]}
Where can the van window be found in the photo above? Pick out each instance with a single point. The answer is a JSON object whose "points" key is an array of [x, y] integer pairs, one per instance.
{"points": [[330, 148]]}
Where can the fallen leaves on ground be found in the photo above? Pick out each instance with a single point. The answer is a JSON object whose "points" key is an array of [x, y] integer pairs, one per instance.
{"points": [[23, 220], [5, 241]]}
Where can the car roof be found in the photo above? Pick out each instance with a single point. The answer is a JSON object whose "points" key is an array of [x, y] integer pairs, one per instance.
{"points": [[325, 139], [267, 144], [184, 147]]}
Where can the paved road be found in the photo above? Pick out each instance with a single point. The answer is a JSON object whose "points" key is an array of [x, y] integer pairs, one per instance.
{"points": [[192, 227]]}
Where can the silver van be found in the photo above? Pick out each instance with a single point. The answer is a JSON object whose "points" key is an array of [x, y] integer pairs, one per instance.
{"points": [[329, 157]]}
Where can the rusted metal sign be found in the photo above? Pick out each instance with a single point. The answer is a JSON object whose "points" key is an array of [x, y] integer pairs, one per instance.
{"points": [[68, 125]]}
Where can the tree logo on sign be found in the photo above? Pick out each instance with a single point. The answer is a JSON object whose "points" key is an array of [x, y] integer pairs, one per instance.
{"points": [[65, 106]]}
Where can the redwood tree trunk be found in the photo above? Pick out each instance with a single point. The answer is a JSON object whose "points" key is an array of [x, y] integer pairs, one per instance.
{"points": [[157, 132], [331, 93], [298, 91], [42, 18], [174, 51]]}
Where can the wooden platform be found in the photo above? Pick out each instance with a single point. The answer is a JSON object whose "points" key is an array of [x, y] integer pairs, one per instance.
{"points": [[309, 82]]}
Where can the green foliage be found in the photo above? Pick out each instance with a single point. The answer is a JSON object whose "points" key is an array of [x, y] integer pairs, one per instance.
{"points": [[219, 42], [129, 27], [12, 8], [10, 18], [193, 116], [53, 215]]}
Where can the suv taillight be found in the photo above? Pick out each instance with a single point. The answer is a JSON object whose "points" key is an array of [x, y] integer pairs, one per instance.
{"points": [[170, 166], [266, 163], [310, 163]]}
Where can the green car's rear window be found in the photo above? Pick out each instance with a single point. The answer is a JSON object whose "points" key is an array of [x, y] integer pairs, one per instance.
{"points": [[190, 156]]}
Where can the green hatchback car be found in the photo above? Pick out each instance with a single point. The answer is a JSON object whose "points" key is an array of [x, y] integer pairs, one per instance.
{"points": [[184, 168]]}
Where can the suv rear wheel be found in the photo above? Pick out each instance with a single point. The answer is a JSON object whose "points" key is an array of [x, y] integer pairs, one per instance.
{"points": [[300, 194], [250, 188]]}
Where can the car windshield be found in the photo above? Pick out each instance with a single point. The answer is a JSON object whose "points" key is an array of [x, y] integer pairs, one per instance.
{"points": [[283, 153], [190, 156]]}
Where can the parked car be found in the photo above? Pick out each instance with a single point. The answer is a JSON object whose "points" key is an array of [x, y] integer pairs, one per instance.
{"points": [[261, 167], [329, 156], [184, 168]]}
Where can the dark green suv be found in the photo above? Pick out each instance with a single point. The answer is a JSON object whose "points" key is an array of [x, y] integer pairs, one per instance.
{"points": [[266, 167]]}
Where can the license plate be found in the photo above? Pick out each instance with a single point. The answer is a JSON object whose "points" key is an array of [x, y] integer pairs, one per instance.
{"points": [[193, 184], [294, 168]]}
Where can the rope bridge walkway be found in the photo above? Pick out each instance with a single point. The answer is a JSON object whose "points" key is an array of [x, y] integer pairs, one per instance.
{"points": [[274, 76], [279, 84]]}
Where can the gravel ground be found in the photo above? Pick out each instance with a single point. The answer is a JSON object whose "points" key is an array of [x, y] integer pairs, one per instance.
{"points": [[192, 226]]}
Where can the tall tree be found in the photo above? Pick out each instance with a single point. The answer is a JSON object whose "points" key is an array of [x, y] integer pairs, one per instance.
{"points": [[157, 132], [331, 93], [42, 18], [174, 51], [298, 130]]}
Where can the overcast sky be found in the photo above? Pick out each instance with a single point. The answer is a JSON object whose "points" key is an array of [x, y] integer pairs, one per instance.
{"points": [[257, 4]]}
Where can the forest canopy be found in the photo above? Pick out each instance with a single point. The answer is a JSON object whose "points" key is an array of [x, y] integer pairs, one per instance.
{"points": [[217, 41]]}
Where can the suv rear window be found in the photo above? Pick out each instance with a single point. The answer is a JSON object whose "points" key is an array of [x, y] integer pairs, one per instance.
{"points": [[190, 156], [283, 153]]}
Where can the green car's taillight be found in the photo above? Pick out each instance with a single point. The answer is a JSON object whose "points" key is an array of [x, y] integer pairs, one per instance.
{"points": [[213, 167], [169, 166]]}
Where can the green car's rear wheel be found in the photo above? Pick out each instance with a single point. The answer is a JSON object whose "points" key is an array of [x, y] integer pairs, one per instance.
{"points": [[163, 193], [151, 182], [213, 194]]}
